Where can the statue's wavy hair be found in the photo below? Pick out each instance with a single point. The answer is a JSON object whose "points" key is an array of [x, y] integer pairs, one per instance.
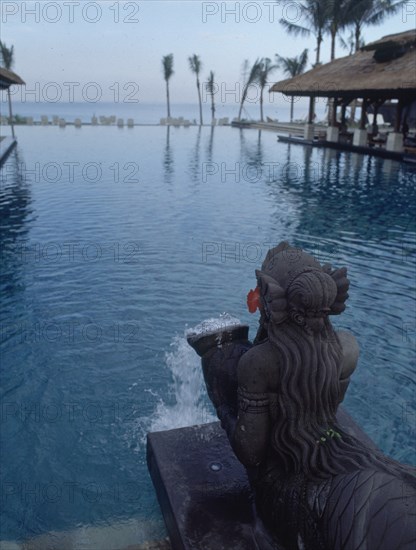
{"points": [[305, 434]]}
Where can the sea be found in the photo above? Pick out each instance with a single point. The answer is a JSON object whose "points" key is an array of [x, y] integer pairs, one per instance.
{"points": [[151, 113]]}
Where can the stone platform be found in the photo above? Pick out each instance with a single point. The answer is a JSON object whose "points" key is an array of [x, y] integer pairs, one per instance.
{"points": [[203, 490]]}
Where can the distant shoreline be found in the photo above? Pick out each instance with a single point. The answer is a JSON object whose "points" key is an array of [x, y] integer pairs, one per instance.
{"points": [[152, 113], [296, 128]]}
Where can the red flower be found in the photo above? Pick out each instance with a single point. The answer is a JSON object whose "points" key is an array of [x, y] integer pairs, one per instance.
{"points": [[253, 300]]}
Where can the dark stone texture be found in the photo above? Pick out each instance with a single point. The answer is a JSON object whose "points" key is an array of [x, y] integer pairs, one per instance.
{"points": [[317, 481], [206, 509], [202, 508]]}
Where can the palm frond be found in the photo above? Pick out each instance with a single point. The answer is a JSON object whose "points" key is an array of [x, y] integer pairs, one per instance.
{"points": [[6, 55], [167, 66], [264, 71], [371, 12], [293, 66], [382, 9], [296, 30], [210, 83], [195, 64]]}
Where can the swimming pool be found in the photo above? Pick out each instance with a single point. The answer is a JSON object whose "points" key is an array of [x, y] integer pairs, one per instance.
{"points": [[114, 241]]}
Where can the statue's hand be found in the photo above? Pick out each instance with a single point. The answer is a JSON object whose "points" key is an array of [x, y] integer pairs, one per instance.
{"points": [[220, 352], [220, 373]]}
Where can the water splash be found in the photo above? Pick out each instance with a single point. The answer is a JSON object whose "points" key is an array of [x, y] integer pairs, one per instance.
{"points": [[224, 321], [191, 404]]}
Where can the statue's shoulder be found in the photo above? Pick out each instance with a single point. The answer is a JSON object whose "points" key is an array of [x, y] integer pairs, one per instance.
{"points": [[258, 365], [350, 352]]}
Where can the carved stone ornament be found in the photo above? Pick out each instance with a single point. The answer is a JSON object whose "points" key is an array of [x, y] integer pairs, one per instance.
{"points": [[316, 486]]}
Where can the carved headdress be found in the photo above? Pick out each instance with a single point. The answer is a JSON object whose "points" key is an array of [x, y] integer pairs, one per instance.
{"points": [[293, 285]]}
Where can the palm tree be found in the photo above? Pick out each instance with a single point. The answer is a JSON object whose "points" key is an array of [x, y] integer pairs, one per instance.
{"points": [[314, 15], [7, 60], [265, 69], [338, 14], [167, 66], [293, 66], [210, 90], [195, 65], [251, 79], [360, 13]]}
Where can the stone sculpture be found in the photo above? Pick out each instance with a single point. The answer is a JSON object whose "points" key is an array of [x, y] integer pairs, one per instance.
{"points": [[316, 486]]}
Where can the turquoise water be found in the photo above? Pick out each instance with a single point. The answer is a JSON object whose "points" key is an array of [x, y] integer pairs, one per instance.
{"points": [[113, 241]]}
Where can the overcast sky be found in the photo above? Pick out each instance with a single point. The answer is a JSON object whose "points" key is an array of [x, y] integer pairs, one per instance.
{"points": [[119, 45]]}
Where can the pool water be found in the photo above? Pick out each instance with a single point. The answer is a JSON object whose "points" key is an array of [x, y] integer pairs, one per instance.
{"points": [[114, 242]]}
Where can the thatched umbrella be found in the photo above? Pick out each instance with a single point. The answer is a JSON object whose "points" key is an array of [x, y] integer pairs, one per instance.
{"points": [[7, 79]]}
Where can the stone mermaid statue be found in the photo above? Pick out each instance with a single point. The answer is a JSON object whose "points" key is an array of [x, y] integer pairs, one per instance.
{"points": [[316, 486]]}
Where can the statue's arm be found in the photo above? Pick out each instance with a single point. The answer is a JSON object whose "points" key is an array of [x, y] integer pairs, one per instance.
{"points": [[350, 354], [252, 427]]}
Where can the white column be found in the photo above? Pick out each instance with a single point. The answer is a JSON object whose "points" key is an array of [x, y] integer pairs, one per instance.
{"points": [[360, 137], [309, 131], [395, 142], [332, 134]]}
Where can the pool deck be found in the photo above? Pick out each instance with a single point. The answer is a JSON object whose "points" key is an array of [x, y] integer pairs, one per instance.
{"points": [[374, 151], [293, 128], [6, 146], [296, 130]]}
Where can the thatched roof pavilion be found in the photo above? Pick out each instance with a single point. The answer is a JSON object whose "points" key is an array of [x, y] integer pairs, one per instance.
{"points": [[383, 70], [8, 78]]}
